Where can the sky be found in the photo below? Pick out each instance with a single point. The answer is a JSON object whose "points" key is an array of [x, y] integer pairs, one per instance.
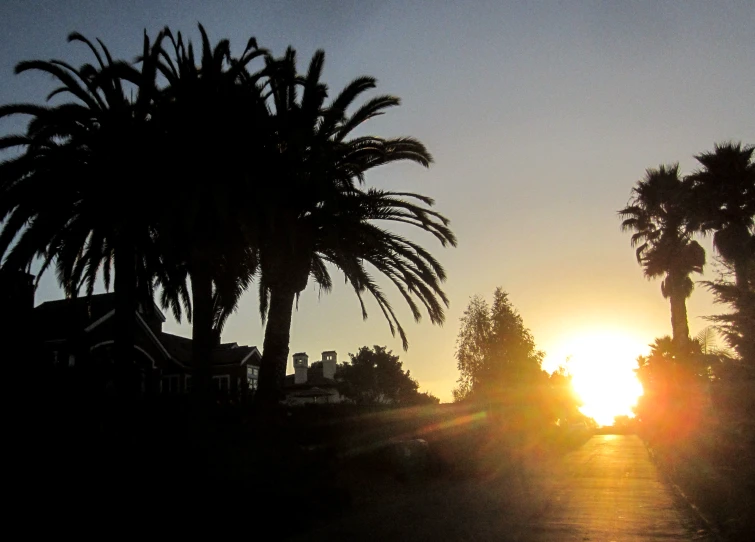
{"points": [[540, 116]]}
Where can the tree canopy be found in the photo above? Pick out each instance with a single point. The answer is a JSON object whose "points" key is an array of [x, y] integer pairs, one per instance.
{"points": [[494, 351], [376, 376]]}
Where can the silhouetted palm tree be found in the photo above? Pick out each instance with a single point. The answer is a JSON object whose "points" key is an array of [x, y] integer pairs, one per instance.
{"points": [[656, 214], [211, 123], [724, 203], [76, 195], [313, 212]]}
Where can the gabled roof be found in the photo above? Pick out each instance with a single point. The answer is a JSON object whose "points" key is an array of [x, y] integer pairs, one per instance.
{"points": [[65, 318], [62, 315]]}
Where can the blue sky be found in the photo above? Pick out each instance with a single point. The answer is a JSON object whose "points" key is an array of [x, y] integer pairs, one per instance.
{"points": [[541, 116]]}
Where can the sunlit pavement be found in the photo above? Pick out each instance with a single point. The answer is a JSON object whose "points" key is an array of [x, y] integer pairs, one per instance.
{"points": [[611, 491], [607, 490]]}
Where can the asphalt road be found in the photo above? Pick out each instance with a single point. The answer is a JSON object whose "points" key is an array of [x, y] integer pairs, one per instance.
{"points": [[607, 490]]}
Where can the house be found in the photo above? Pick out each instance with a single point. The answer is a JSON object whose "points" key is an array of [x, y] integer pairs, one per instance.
{"points": [[79, 334], [315, 384]]}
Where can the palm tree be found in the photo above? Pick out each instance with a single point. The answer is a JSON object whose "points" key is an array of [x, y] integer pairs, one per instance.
{"points": [[210, 121], [314, 212], [76, 159], [724, 203], [656, 214]]}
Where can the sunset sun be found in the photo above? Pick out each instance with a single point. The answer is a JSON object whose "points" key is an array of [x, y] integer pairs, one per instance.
{"points": [[602, 367]]}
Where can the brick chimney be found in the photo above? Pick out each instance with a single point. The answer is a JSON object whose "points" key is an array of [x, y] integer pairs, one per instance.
{"points": [[301, 366], [329, 361]]}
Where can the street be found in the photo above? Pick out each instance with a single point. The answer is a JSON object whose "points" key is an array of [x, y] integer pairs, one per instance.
{"points": [[606, 490], [611, 491]]}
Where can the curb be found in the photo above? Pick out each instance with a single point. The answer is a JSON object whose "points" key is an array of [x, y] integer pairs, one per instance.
{"points": [[702, 518]]}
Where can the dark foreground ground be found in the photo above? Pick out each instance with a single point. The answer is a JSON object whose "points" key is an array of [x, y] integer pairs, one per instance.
{"points": [[607, 489]]}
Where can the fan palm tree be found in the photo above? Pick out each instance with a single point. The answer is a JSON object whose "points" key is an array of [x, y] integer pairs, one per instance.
{"points": [[656, 214], [70, 195], [315, 211], [724, 203]]}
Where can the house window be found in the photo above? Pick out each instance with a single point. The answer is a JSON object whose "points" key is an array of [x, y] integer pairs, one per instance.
{"points": [[169, 384], [251, 376], [223, 383]]}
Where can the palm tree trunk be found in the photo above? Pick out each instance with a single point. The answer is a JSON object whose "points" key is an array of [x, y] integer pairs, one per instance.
{"points": [[740, 273], [125, 320], [202, 335], [679, 325], [275, 346]]}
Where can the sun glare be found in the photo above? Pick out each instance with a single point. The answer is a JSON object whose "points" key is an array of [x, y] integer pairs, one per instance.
{"points": [[602, 368]]}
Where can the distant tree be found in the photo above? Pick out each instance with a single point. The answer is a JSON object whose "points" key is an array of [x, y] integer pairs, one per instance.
{"points": [[674, 378], [657, 214], [723, 203], [473, 348], [562, 401], [424, 398], [376, 376], [496, 355]]}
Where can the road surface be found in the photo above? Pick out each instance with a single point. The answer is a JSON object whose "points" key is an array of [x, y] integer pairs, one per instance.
{"points": [[611, 491], [607, 490]]}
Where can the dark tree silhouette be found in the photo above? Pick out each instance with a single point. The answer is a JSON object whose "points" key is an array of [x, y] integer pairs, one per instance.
{"points": [[76, 160], [314, 211], [724, 203], [737, 325], [211, 114], [657, 213], [376, 376]]}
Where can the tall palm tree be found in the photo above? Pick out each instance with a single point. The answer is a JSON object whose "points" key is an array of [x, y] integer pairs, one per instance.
{"points": [[656, 213], [315, 212], [724, 203], [210, 123], [76, 160]]}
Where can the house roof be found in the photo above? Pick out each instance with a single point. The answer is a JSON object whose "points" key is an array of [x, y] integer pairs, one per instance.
{"points": [[64, 318], [223, 354], [59, 319], [315, 379]]}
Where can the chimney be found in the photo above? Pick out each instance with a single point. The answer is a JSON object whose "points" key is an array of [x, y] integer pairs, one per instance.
{"points": [[17, 295], [301, 366], [17, 306], [329, 361]]}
